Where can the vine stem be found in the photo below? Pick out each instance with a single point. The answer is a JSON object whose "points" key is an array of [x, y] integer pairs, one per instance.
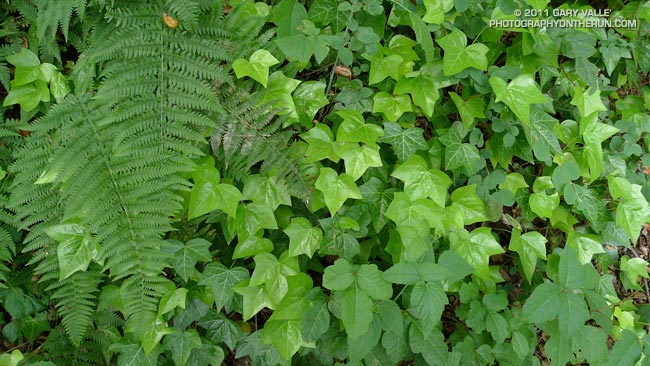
{"points": [[336, 60]]}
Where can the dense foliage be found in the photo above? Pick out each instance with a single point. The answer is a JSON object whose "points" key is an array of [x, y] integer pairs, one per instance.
{"points": [[324, 182]]}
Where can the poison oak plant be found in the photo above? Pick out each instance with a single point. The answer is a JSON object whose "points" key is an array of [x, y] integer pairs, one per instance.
{"points": [[323, 182]]}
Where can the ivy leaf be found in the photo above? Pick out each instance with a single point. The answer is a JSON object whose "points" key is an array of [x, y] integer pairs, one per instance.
{"points": [[514, 182], [303, 238], [404, 142], [74, 251], [171, 300], [336, 238], [378, 197], [462, 156], [288, 16], [151, 337], [263, 189], [209, 354], [458, 56], [476, 248], [251, 246], [470, 204], [392, 107], [272, 272], [321, 144], [284, 335], [208, 195], [182, 345], [543, 204], [134, 354], [221, 281], [518, 95], [355, 129], [309, 98], [336, 188], [382, 67], [469, 109], [220, 329], [254, 298], [588, 101], [186, 257], [371, 282], [585, 245], [530, 246], [544, 138], [406, 213], [436, 9], [357, 161], [339, 276], [422, 89], [429, 300], [420, 182], [256, 67], [278, 94], [356, 312]]}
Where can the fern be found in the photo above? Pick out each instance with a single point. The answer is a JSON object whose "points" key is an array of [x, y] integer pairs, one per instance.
{"points": [[112, 160]]}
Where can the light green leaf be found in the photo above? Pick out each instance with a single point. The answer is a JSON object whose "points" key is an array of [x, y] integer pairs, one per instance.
{"points": [[252, 218], [11, 359], [256, 67], [263, 189], [626, 351], [286, 336], [357, 161], [514, 182], [382, 67], [151, 336], [208, 195], [422, 89], [336, 188], [370, 280], [404, 273], [339, 276], [458, 56], [585, 245], [587, 101], [253, 245], [404, 142], [182, 345], [530, 246], [543, 304], [572, 314], [543, 204], [278, 95], [59, 87], [355, 129], [309, 98], [420, 182], [634, 268], [476, 248], [171, 300], [25, 58], [392, 107], [75, 249], [303, 237], [436, 10], [356, 312], [186, 257], [321, 144], [428, 300], [471, 205], [469, 109], [406, 213], [288, 16], [518, 95], [255, 298], [462, 156], [497, 325], [221, 280]]}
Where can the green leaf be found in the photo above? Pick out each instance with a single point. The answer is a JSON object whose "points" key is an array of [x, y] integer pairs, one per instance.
{"points": [[315, 321], [572, 314], [518, 95], [543, 204], [436, 9], [27, 96], [406, 213], [75, 250], [514, 182], [209, 354], [284, 335], [588, 101], [476, 248], [626, 351], [470, 204], [462, 156], [378, 197], [428, 301], [497, 325], [420, 182], [255, 298], [404, 273], [182, 345], [309, 98], [355, 129], [634, 268], [278, 94], [151, 336], [430, 343], [256, 67], [392, 107], [253, 245], [422, 89], [592, 343], [25, 58], [288, 16], [356, 312], [254, 217], [339, 276], [186, 257], [585, 245], [272, 272], [11, 359], [370, 280], [404, 142], [171, 300], [336, 188], [357, 161], [208, 195], [321, 144], [458, 56], [303, 237], [221, 280], [530, 246], [263, 189], [220, 329], [543, 304], [382, 67], [469, 109], [134, 354]]}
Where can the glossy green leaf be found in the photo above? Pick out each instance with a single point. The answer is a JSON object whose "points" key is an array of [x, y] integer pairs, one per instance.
{"points": [[270, 190], [336, 188], [585, 245], [309, 98], [470, 204], [11, 359], [529, 246], [436, 9], [422, 89], [544, 205], [256, 67], [476, 248], [392, 107], [357, 161], [356, 312], [355, 129], [208, 195], [255, 298], [252, 218], [253, 245], [303, 237], [151, 336], [469, 109], [278, 95], [221, 280], [182, 345], [75, 249], [458, 56], [404, 142], [462, 156], [587, 101], [339, 276], [172, 300], [428, 301], [189, 254], [518, 95], [382, 67], [420, 182]]}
